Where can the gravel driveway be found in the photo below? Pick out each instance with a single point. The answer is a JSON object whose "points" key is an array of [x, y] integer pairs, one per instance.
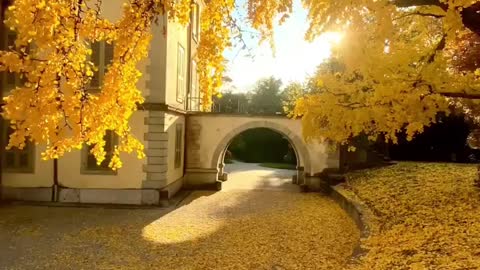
{"points": [[239, 228], [251, 176]]}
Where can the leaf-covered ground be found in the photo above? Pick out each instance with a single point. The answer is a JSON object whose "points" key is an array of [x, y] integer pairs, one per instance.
{"points": [[425, 216], [225, 230]]}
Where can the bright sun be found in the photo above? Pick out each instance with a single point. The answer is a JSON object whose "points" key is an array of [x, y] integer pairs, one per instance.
{"points": [[295, 59]]}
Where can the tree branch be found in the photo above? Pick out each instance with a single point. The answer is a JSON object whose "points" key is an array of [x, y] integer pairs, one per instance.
{"points": [[412, 3], [460, 95], [417, 13], [440, 46]]}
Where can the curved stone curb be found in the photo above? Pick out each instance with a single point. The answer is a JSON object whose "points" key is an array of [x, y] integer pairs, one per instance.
{"points": [[356, 212]]}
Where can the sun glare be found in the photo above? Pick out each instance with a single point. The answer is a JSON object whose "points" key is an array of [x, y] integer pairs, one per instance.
{"points": [[333, 37]]}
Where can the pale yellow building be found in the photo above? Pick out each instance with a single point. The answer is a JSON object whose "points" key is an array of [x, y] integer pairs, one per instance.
{"points": [[184, 148], [170, 86]]}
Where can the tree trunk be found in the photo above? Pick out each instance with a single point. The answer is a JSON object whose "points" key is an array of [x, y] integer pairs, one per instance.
{"points": [[477, 180]]}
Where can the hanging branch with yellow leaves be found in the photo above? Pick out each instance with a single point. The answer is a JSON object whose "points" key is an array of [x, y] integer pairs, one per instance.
{"points": [[390, 49]]}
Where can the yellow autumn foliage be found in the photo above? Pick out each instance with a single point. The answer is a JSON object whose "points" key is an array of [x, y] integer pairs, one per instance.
{"points": [[425, 216], [397, 69], [54, 105]]}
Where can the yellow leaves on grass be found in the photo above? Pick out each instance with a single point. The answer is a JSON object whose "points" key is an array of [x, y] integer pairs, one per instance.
{"points": [[427, 216]]}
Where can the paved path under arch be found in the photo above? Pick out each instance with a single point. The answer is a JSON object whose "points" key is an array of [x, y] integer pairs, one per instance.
{"points": [[251, 176]]}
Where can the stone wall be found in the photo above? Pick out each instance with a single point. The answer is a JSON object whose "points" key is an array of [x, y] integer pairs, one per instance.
{"points": [[356, 213]]}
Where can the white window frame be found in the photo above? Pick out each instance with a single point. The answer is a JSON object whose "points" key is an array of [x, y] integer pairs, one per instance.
{"points": [[195, 91], [102, 64], [196, 22], [181, 73]]}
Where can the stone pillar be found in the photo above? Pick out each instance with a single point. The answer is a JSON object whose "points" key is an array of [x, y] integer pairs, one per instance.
{"points": [[299, 178], [156, 140], [315, 183], [222, 175], [197, 175], [200, 178]]}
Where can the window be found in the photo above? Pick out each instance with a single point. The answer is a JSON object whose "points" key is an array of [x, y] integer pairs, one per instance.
{"points": [[17, 160], [178, 146], [180, 73], [89, 163], [9, 80], [102, 56], [194, 95], [195, 21]]}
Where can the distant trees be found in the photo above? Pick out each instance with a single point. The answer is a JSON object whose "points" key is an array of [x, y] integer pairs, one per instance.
{"points": [[266, 98], [261, 145], [290, 94], [231, 102]]}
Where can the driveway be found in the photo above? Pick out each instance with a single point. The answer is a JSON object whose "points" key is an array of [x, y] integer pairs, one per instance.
{"points": [[251, 176], [258, 222]]}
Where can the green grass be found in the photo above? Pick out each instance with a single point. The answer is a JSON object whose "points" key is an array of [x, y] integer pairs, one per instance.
{"points": [[283, 166], [228, 161]]}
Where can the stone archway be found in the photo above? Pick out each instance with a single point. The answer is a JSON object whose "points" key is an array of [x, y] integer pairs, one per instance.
{"points": [[301, 152], [209, 135]]}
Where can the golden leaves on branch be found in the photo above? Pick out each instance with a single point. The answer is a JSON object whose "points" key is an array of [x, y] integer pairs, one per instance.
{"points": [[395, 68], [55, 105], [399, 69]]}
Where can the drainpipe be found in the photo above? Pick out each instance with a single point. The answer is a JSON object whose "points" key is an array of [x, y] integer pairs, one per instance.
{"points": [[3, 5], [189, 70], [55, 181], [2, 148], [188, 97]]}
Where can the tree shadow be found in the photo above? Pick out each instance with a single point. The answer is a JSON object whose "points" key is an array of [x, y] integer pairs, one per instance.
{"points": [[223, 230]]}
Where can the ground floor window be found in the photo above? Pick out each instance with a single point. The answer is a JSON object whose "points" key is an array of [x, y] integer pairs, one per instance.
{"points": [[89, 163], [178, 145], [16, 160]]}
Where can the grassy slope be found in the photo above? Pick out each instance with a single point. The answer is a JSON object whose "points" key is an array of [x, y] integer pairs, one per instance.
{"points": [[427, 216], [279, 166]]}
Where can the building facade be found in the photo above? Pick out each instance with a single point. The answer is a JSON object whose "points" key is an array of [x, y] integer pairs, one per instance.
{"points": [[183, 149], [170, 86]]}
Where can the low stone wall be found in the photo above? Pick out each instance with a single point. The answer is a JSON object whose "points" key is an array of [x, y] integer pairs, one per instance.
{"points": [[354, 210]]}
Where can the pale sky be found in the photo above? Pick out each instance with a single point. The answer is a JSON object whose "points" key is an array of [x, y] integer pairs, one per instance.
{"points": [[295, 58]]}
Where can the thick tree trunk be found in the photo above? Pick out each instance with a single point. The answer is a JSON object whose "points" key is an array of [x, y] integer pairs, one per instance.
{"points": [[471, 18], [477, 180]]}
